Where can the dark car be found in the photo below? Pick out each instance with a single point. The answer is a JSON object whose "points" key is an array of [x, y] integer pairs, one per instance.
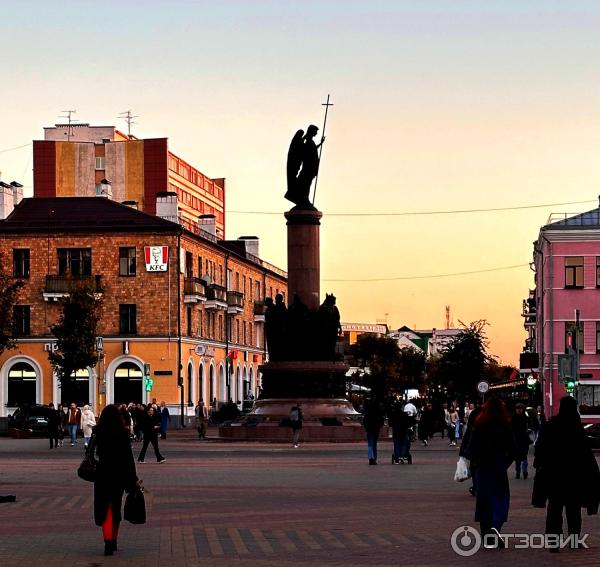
{"points": [[34, 418], [592, 432]]}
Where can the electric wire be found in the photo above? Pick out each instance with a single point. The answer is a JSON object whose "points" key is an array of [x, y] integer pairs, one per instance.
{"points": [[14, 148], [441, 212], [429, 276]]}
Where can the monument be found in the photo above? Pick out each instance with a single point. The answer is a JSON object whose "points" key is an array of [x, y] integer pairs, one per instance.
{"points": [[301, 338]]}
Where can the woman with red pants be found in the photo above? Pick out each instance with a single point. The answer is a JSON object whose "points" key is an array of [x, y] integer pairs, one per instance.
{"points": [[115, 474]]}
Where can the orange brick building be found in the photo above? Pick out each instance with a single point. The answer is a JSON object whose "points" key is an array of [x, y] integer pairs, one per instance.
{"points": [[73, 160], [180, 306]]}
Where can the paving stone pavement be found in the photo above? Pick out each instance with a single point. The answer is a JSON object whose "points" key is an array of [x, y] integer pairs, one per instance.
{"points": [[217, 503]]}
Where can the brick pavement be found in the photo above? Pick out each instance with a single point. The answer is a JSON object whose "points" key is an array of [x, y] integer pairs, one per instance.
{"points": [[256, 504]]}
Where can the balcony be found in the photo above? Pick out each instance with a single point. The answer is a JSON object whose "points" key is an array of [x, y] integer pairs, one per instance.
{"points": [[57, 287], [235, 302], [216, 298], [529, 313], [259, 311], [193, 291]]}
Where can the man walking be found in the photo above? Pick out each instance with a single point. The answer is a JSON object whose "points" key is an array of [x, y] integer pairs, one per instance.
{"points": [[73, 421], [53, 426], [150, 427], [201, 419], [165, 419]]}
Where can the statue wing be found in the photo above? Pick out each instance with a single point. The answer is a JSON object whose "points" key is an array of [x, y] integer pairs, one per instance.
{"points": [[295, 154]]}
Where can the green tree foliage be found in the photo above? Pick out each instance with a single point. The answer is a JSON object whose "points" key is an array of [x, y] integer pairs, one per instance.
{"points": [[463, 363], [9, 289], [390, 369], [76, 332]]}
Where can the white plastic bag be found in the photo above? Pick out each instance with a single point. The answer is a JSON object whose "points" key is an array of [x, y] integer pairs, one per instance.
{"points": [[462, 470]]}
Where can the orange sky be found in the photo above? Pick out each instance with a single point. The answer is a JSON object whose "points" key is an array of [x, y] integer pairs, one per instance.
{"points": [[438, 105]]}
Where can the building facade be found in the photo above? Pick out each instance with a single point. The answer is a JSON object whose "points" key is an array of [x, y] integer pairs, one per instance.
{"points": [[73, 160], [567, 281], [182, 310]]}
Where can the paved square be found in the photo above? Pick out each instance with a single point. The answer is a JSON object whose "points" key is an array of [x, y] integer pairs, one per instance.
{"points": [[215, 503]]}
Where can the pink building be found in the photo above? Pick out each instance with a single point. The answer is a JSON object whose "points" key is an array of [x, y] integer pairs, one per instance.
{"points": [[567, 278]]}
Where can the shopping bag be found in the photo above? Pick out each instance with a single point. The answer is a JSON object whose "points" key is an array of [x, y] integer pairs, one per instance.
{"points": [[135, 507], [87, 468], [462, 470]]}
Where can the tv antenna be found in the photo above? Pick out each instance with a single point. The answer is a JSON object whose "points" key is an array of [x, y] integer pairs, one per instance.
{"points": [[129, 118], [68, 114]]}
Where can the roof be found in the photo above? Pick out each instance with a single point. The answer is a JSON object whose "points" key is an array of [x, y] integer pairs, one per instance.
{"points": [[43, 214], [590, 219]]}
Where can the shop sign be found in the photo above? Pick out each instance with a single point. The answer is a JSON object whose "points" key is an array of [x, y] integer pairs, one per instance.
{"points": [[157, 258]]}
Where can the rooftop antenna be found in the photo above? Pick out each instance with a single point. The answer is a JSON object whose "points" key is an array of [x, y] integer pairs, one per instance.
{"points": [[447, 317], [128, 117], [69, 116]]}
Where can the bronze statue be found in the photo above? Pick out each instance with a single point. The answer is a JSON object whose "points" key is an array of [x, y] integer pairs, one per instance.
{"points": [[302, 166], [328, 328]]}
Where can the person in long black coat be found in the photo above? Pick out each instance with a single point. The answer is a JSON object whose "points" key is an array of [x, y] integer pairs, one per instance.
{"points": [[53, 426], [492, 449], [373, 420], [520, 425], [567, 474], [115, 473]]}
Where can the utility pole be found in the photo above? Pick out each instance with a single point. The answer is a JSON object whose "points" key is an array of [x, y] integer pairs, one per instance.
{"points": [[68, 115], [129, 118]]}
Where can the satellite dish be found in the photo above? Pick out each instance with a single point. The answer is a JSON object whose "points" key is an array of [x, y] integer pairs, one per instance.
{"points": [[205, 280]]}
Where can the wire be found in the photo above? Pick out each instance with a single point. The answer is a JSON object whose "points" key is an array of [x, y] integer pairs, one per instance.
{"points": [[408, 213], [15, 148], [431, 276]]}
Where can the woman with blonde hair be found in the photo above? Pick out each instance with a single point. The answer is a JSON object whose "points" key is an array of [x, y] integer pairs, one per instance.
{"points": [[88, 421]]}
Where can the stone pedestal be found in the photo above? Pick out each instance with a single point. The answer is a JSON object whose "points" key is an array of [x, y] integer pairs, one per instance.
{"points": [[303, 256]]}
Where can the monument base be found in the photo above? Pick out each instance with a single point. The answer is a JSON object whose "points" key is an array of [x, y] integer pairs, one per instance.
{"points": [[325, 420]]}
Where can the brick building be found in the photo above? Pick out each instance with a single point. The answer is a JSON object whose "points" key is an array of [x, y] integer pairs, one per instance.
{"points": [[174, 296], [73, 160]]}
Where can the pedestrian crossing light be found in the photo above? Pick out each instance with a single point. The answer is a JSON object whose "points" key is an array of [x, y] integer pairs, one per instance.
{"points": [[570, 386], [149, 384]]}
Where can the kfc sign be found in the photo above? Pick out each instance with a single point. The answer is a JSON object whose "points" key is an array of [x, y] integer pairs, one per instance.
{"points": [[157, 258]]}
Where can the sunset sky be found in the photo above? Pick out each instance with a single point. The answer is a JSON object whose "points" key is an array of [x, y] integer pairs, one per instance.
{"points": [[439, 105]]}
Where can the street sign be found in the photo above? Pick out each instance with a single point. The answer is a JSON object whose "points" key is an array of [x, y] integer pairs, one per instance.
{"points": [[483, 387], [99, 344]]}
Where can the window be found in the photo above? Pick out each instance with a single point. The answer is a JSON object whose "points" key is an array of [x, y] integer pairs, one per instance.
{"points": [[250, 289], [237, 331], [221, 333], [257, 290], [21, 262], [199, 266], [22, 382], [100, 163], [598, 337], [127, 319], [189, 321], [250, 333], [597, 271], [244, 285], [189, 265], [244, 332], [75, 261], [588, 397], [570, 328], [237, 281], [574, 271], [127, 261], [22, 320]]}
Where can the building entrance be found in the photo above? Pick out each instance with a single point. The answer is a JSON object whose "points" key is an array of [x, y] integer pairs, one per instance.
{"points": [[128, 384]]}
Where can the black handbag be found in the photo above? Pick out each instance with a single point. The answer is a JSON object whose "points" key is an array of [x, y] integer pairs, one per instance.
{"points": [[87, 468], [135, 507]]}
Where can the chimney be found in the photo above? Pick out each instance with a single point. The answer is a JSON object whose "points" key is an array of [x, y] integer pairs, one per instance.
{"points": [[208, 223], [104, 189], [17, 192], [131, 204], [251, 243], [166, 206], [7, 200]]}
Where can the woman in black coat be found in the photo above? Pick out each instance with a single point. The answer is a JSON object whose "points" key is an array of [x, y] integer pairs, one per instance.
{"points": [[492, 450], [567, 473], [520, 425], [115, 473]]}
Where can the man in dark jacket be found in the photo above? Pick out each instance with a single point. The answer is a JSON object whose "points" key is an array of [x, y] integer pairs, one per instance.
{"points": [[53, 426], [373, 419], [567, 474], [150, 428], [400, 422], [520, 426]]}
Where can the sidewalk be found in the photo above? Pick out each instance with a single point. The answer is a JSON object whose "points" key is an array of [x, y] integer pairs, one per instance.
{"points": [[256, 504]]}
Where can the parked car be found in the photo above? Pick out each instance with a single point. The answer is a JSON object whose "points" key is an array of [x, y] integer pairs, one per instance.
{"points": [[592, 432], [34, 418]]}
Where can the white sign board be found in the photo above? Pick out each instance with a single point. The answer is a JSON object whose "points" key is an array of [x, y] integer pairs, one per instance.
{"points": [[483, 387], [157, 258]]}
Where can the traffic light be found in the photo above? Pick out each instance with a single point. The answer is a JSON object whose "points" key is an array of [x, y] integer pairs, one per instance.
{"points": [[570, 386]]}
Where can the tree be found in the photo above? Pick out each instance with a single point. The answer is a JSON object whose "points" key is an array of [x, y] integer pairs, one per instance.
{"points": [[463, 363], [9, 289], [380, 356], [410, 368], [76, 332]]}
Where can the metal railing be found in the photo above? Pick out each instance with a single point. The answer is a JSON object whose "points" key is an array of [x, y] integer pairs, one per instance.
{"points": [[193, 286], [235, 299], [260, 308], [66, 284]]}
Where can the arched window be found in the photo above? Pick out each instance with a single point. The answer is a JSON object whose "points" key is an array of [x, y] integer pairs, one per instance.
{"points": [[190, 377], [76, 388], [201, 384], [211, 385], [128, 384], [22, 385]]}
